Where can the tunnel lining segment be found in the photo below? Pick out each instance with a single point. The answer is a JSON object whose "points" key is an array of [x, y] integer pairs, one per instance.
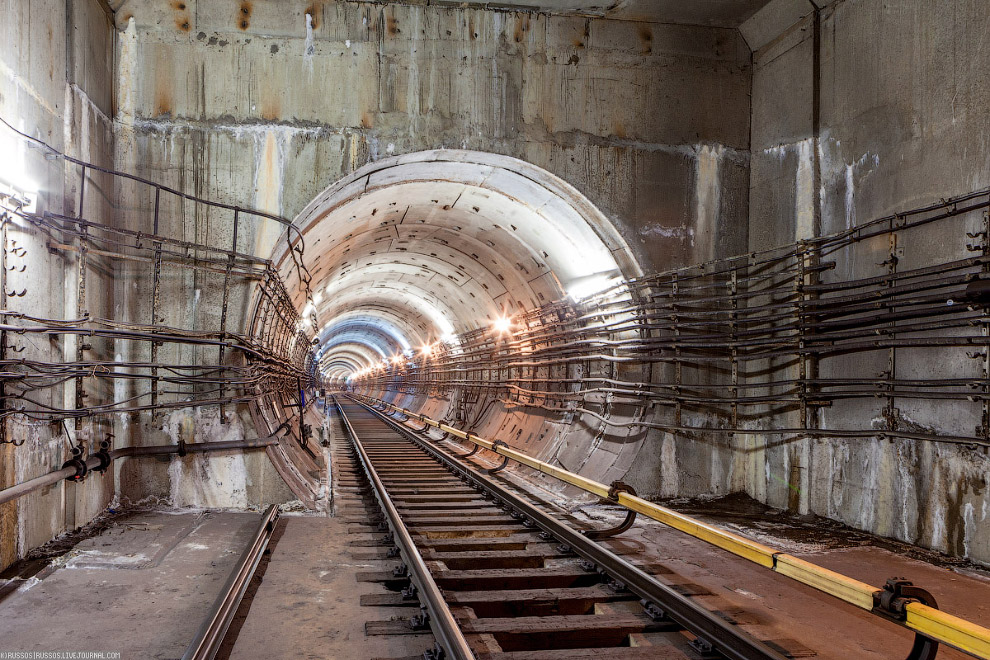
{"points": [[453, 239]]}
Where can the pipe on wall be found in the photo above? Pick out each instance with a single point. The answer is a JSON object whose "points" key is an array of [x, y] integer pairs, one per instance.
{"points": [[94, 461]]}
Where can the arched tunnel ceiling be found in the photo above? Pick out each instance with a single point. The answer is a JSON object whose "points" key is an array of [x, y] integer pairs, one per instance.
{"points": [[415, 249]]}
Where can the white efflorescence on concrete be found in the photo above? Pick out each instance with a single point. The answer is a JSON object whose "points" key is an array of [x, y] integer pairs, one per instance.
{"points": [[207, 479]]}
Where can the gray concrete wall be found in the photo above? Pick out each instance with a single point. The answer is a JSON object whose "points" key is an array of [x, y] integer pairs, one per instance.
{"points": [[254, 103], [56, 84], [257, 104], [903, 123], [270, 112]]}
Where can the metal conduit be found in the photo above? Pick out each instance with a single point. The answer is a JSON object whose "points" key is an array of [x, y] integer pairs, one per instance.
{"points": [[94, 461]]}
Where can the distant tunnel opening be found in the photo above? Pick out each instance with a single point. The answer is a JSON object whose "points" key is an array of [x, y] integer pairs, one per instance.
{"points": [[412, 255], [411, 251]]}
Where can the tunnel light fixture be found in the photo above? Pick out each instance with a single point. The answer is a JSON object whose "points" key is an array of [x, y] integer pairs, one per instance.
{"points": [[17, 188], [22, 199], [502, 325], [585, 287]]}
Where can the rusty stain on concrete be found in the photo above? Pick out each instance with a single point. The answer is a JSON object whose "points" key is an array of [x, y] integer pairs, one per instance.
{"points": [[315, 10], [270, 104], [244, 16], [522, 27], [269, 177], [646, 36], [182, 16], [392, 25]]}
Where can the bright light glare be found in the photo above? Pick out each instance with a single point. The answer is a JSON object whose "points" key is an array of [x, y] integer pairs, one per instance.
{"points": [[427, 349], [502, 325], [586, 287], [13, 173]]}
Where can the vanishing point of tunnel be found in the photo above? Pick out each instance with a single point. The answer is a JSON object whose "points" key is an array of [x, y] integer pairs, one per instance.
{"points": [[525, 330]]}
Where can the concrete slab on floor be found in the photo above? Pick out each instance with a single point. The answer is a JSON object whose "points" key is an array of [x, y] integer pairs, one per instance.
{"points": [[308, 604], [140, 588]]}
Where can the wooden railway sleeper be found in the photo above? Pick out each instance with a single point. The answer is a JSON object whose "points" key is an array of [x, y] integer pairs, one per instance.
{"points": [[727, 640]]}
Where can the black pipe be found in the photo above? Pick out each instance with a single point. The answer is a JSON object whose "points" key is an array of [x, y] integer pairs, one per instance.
{"points": [[94, 461]]}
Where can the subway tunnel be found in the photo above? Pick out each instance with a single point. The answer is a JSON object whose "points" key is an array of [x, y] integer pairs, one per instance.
{"points": [[538, 329]]}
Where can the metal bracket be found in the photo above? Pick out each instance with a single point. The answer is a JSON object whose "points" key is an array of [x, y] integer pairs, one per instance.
{"points": [[420, 621], [79, 463], [654, 611], [474, 450], [613, 494], [104, 455], [436, 653], [703, 647], [505, 459], [891, 603]]}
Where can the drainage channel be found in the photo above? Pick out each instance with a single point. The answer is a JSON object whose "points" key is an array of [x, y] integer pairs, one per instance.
{"points": [[492, 575]]}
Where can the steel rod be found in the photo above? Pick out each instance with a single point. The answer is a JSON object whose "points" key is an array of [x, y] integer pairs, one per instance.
{"points": [[209, 637]]}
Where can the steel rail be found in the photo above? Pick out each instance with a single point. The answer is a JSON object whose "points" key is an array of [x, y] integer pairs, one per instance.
{"points": [[206, 643], [729, 640], [445, 629], [922, 619]]}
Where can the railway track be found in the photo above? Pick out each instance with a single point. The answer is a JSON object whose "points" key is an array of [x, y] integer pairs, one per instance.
{"points": [[493, 575]]}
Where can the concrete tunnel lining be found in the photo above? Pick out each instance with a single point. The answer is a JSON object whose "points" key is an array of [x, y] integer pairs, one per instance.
{"points": [[450, 239], [707, 135], [411, 251]]}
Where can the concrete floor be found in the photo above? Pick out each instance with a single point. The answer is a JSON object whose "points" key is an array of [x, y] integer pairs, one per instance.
{"points": [[140, 588], [142, 585], [307, 605]]}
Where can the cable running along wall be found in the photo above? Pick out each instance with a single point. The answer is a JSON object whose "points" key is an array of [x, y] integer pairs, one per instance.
{"points": [[777, 343], [197, 317]]}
